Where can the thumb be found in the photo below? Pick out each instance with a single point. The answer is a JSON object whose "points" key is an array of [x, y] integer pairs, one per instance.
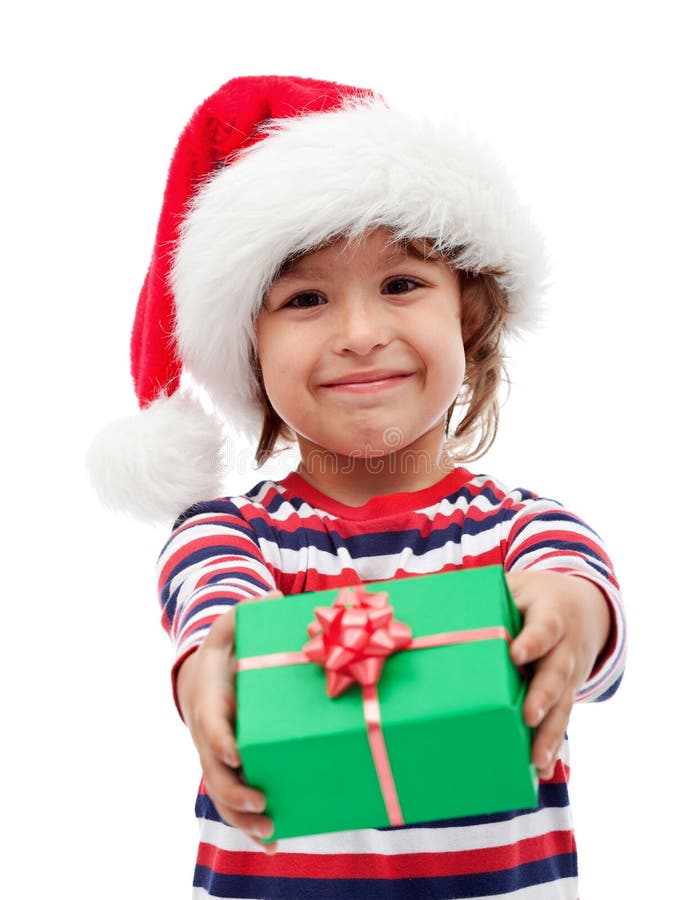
{"points": [[524, 595], [520, 588]]}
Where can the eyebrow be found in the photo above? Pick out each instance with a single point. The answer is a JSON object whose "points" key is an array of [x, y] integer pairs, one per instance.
{"points": [[414, 248], [421, 249], [290, 269]]}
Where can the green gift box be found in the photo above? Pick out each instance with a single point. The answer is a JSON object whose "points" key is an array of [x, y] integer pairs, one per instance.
{"points": [[450, 715]]}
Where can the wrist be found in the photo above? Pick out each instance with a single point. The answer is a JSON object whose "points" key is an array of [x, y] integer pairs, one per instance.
{"points": [[598, 612], [182, 680], [599, 621]]}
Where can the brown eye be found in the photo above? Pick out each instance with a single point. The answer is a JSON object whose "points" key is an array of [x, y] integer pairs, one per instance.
{"points": [[400, 286], [306, 300]]}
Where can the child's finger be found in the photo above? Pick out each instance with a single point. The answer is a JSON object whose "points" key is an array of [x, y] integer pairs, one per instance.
{"points": [[552, 677], [550, 735], [543, 629], [213, 731], [237, 804], [254, 825], [269, 847], [229, 793]]}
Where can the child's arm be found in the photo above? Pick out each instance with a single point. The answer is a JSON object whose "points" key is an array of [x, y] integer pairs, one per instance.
{"points": [[567, 623], [205, 693]]}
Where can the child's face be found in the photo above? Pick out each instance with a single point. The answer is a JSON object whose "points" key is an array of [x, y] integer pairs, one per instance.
{"points": [[361, 349]]}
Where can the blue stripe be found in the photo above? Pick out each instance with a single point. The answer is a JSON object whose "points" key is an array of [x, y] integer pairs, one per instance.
{"points": [[440, 888], [559, 515], [549, 795], [209, 553], [206, 605], [220, 507], [381, 543], [239, 578], [610, 690], [582, 550], [169, 601], [277, 500], [494, 496]]}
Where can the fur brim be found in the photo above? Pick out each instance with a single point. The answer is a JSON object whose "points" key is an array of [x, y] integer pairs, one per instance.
{"points": [[155, 464], [321, 175]]}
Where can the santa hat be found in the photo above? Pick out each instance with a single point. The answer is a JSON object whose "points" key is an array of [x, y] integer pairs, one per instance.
{"points": [[266, 168]]}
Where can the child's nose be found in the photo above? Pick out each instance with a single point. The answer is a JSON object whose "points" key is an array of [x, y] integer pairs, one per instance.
{"points": [[364, 326]]}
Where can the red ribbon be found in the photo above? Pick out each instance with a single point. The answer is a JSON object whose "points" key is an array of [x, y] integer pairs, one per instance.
{"points": [[352, 639]]}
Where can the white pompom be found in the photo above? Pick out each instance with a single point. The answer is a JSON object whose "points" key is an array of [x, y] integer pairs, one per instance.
{"points": [[155, 464]]}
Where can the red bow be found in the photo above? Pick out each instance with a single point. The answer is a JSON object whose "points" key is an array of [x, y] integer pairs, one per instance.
{"points": [[352, 638]]}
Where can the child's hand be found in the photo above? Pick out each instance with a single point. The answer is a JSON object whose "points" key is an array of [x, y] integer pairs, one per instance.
{"points": [[205, 692], [566, 625]]}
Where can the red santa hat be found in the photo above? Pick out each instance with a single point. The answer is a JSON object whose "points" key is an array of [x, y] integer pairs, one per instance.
{"points": [[268, 167]]}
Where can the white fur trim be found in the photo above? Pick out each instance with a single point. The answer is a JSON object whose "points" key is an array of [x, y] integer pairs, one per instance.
{"points": [[155, 464], [322, 175]]}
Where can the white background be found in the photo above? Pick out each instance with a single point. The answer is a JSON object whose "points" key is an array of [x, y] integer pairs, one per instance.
{"points": [[98, 774]]}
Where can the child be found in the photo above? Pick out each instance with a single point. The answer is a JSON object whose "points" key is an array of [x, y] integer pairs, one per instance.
{"points": [[340, 275]]}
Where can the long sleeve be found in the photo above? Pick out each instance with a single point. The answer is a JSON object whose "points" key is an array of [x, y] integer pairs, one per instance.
{"points": [[543, 535], [211, 562]]}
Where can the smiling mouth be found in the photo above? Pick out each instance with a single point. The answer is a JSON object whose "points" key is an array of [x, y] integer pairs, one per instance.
{"points": [[360, 382]]}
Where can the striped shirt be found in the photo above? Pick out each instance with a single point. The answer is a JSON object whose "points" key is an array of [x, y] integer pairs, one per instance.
{"points": [[288, 536]]}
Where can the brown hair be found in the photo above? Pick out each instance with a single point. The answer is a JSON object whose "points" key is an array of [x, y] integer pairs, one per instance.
{"points": [[484, 311]]}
